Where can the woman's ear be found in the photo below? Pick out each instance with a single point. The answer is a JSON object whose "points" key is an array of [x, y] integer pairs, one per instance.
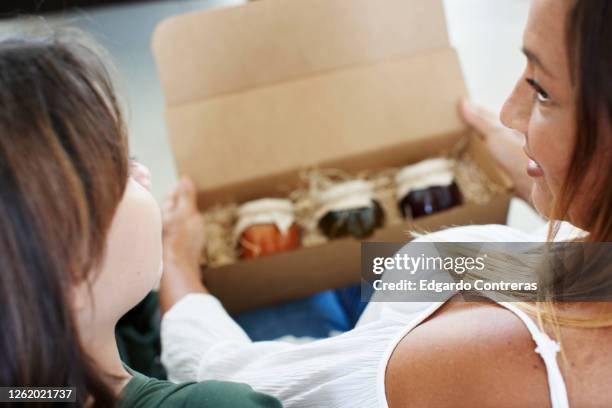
{"points": [[81, 298]]}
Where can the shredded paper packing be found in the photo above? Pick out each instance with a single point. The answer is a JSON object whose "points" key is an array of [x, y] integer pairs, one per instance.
{"points": [[221, 220]]}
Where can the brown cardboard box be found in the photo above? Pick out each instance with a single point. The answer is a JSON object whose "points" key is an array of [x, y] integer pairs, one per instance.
{"points": [[256, 93]]}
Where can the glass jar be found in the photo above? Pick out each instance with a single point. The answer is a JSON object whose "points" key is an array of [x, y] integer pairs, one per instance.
{"points": [[348, 209], [265, 227], [427, 187]]}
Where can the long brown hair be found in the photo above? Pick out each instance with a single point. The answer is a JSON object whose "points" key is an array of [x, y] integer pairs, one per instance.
{"points": [[589, 47], [588, 44], [63, 170]]}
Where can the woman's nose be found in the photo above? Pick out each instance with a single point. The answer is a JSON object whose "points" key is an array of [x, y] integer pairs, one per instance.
{"points": [[516, 111], [141, 174]]}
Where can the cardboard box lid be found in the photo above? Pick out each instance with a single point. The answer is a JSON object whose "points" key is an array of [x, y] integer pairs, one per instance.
{"points": [[273, 86]]}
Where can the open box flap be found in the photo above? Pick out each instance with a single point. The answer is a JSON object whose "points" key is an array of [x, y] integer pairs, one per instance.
{"points": [[205, 54], [316, 121], [265, 89]]}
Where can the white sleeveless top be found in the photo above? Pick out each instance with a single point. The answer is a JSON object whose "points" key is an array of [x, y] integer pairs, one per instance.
{"points": [[545, 347], [201, 342]]}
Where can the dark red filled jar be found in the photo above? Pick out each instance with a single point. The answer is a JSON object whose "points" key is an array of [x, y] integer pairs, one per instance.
{"points": [[265, 227], [427, 188], [349, 209]]}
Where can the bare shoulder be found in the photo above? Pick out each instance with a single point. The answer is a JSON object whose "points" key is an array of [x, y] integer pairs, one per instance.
{"points": [[466, 355]]}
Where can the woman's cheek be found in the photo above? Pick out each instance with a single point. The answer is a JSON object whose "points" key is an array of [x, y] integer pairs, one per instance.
{"points": [[549, 147], [134, 248]]}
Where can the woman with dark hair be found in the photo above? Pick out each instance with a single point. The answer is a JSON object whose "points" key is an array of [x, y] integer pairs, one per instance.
{"points": [[80, 239], [454, 353]]}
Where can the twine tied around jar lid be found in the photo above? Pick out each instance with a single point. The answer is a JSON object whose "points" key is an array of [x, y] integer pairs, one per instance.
{"points": [[275, 211], [344, 196], [425, 174]]}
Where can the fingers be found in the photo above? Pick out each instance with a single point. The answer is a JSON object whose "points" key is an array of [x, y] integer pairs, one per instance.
{"points": [[186, 195], [169, 202], [481, 119], [183, 198], [187, 188]]}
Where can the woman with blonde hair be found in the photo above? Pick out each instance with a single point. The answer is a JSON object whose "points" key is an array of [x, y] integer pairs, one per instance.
{"points": [[451, 353]]}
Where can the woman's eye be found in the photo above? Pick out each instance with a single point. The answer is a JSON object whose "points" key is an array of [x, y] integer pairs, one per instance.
{"points": [[541, 95]]}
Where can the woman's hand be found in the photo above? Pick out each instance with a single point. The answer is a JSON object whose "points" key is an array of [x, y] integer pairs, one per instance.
{"points": [[184, 239], [505, 144]]}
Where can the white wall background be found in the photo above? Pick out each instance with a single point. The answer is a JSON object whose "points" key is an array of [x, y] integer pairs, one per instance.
{"points": [[486, 33]]}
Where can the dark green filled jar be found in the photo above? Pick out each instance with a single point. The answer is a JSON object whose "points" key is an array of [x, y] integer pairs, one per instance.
{"points": [[349, 209]]}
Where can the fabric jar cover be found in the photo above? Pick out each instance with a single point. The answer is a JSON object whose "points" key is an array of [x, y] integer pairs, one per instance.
{"points": [[428, 173], [265, 211], [345, 196]]}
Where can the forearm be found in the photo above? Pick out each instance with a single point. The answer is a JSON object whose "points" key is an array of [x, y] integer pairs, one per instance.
{"points": [[200, 342], [192, 328], [521, 180], [178, 281], [506, 145], [507, 148]]}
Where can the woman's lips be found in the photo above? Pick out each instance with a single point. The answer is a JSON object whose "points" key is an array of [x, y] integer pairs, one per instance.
{"points": [[533, 168]]}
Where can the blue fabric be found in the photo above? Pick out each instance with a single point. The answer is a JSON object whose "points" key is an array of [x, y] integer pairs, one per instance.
{"points": [[316, 316], [353, 300]]}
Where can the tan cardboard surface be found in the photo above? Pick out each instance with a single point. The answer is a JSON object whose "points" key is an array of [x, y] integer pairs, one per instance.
{"points": [[305, 271], [257, 92], [268, 88], [211, 53], [279, 128], [297, 274]]}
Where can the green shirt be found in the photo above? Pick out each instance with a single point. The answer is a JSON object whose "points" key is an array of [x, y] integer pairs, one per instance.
{"points": [[145, 392]]}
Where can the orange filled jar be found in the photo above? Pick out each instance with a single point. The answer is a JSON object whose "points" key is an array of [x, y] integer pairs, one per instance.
{"points": [[265, 227], [427, 188], [349, 209]]}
